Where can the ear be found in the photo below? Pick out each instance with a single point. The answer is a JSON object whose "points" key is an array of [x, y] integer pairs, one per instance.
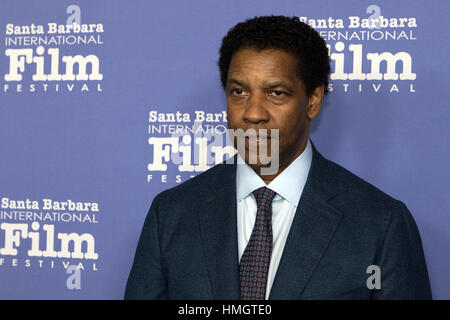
{"points": [[315, 102]]}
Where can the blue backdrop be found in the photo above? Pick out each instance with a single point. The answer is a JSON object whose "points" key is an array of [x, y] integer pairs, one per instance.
{"points": [[84, 111]]}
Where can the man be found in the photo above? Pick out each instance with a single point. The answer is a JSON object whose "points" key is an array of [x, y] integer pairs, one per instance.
{"points": [[307, 230]]}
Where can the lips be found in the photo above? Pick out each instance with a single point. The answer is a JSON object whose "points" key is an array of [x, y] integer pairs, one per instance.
{"points": [[258, 135], [257, 140]]}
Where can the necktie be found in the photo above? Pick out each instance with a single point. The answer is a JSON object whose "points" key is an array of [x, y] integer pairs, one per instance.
{"points": [[255, 260]]}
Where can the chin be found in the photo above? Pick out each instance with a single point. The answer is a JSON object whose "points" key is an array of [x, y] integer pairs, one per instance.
{"points": [[260, 162]]}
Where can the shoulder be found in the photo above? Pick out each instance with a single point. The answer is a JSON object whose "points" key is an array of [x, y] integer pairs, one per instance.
{"points": [[360, 188], [197, 188], [365, 208], [356, 196], [175, 209]]}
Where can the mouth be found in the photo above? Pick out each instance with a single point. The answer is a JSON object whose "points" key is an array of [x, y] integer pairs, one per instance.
{"points": [[258, 140]]}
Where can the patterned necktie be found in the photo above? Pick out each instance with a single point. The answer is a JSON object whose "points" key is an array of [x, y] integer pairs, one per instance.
{"points": [[255, 261]]}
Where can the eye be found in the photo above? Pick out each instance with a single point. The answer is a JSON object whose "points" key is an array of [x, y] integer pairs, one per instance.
{"points": [[277, 93], [237, 92]]}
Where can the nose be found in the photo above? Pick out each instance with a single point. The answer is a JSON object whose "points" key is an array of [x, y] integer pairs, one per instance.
{"points": [[255, 111]]}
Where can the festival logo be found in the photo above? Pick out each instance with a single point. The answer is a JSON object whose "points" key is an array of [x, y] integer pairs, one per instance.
{"points": [[31, 236], [53, 57], [362, 55]]}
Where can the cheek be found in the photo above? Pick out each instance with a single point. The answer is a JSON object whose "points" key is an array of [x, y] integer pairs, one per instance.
{"points": [[292, 128], [231, 120], [233, 117]]}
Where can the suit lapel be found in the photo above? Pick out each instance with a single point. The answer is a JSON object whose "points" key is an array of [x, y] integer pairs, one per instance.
{"points": [[218, 225], [312, 229]]}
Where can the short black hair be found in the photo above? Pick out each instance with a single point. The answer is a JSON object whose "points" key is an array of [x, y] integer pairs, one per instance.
{"points": [[280, 32]]}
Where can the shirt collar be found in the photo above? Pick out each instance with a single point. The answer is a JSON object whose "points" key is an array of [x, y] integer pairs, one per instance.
{"points": [[289, 184]]}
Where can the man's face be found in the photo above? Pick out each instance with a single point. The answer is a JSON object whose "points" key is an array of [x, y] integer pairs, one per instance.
{"points": [[264, 92]]}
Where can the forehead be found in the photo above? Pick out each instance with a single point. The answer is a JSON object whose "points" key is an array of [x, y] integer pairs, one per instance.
{"points": [[254, 63]]}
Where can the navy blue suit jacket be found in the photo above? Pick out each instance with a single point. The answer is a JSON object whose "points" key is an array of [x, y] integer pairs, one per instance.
{"points": [[188, 247]]}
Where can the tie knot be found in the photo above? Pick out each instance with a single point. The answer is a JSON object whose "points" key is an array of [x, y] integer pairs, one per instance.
{"points": [[264, 196]]}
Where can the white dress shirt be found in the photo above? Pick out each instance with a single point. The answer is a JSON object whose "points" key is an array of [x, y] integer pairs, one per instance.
{"points": [[288, 186]]}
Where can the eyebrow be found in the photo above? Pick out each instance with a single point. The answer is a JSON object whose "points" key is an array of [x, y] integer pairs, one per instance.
{"points": [[238, 82], [277, 84], [266, 84]]}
